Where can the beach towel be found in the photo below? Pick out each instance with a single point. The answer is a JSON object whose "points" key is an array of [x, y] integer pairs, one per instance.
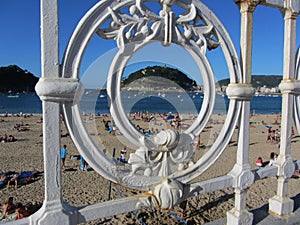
{"points": [[170, 117], [9, 217], [27, 176]]}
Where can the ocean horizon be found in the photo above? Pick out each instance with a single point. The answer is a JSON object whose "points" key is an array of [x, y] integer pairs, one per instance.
{"points": [[96, 102]]}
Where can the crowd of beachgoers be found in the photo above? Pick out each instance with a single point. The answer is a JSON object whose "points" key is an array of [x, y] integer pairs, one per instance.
{"points": [[22, 187]]}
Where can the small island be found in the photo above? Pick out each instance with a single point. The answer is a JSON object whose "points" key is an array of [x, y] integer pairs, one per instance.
{"points": [[158, 78], [15, 79]]}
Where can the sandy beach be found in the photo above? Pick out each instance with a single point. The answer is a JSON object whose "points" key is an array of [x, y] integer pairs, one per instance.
{"points": [[87, 187]]}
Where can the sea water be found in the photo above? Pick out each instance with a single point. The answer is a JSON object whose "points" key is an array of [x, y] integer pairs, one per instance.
{"points": [[97, 102]]}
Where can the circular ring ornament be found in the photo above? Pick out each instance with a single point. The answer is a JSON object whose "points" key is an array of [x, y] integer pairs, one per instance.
{"points": [[114, 89], [196, 30]]}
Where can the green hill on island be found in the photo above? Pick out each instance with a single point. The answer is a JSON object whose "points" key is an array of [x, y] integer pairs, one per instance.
{"points": [[13, 78], [150, 77]]}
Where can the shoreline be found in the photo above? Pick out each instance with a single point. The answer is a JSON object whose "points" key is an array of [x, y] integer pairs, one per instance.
{"points": [[21, 114], [183, 103]]}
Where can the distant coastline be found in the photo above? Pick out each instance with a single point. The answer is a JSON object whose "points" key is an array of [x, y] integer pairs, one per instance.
{"points": [[14, 80]]}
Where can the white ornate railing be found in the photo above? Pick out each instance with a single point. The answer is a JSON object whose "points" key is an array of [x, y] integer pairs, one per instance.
{"points": [[162, 167]]}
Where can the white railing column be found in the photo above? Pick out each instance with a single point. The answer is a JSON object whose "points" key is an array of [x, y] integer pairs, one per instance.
{"points": [[281, 204], [242, 175], [53, 211]]}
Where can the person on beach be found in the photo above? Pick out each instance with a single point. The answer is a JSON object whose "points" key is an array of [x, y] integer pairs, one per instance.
{"points": [[3, 139], [278, 144], [259, 162], [63, 154], [273, 136], [277, 135], [21, 211], [273, 158], [11, 138], [3, 179], [83, 164], [8, 207], [112, 129], [13, 181], [123, 156], [269, 136], [106, 124]]}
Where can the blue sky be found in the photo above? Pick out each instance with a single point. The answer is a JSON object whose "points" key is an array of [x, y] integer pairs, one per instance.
{"points": [[20, 37]]}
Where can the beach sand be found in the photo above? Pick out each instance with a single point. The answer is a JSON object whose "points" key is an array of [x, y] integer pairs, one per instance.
{"points": [[87, 187]]}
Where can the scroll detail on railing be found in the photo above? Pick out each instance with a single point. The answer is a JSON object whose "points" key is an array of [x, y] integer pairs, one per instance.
{"points": [[142, 23]]}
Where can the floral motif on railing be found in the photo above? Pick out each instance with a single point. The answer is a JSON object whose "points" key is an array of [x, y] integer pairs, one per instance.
{"points": [[166, 152], [142, 23]]}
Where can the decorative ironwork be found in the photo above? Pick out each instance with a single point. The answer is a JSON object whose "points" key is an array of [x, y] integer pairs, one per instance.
{"points": [[169, 154], [168, 148], [142, 23], [163, 167]]}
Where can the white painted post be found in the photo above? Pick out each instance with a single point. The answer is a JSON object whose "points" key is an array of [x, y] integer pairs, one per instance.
{"points": [[52, 211], [242, 175], [51, 120], [281, 204]]}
